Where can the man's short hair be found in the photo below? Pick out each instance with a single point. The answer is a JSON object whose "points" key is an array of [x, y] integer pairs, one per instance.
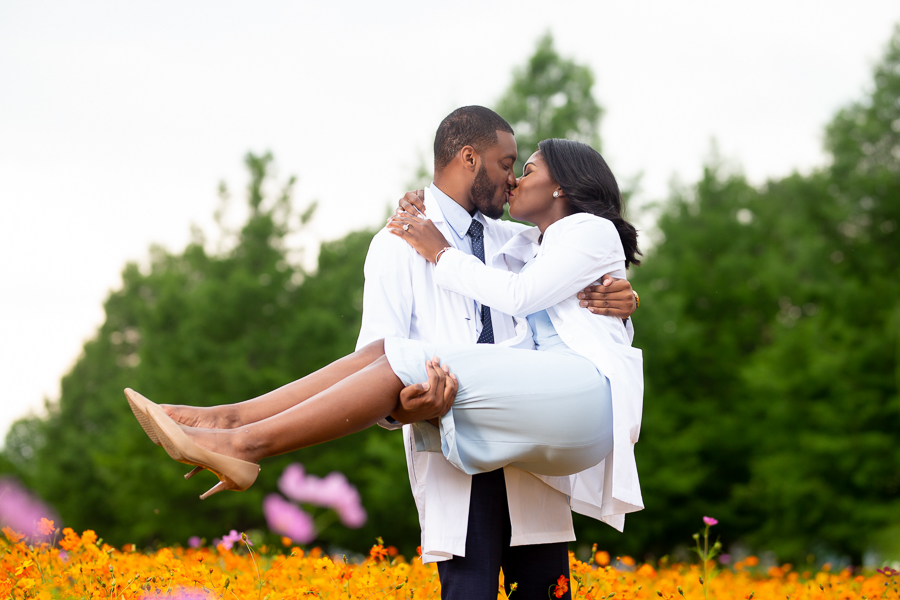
{"points": [[474, 126]]}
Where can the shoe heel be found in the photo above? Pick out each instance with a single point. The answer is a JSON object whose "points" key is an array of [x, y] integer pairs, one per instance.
{"points": [[193, 472], [214, 490]]}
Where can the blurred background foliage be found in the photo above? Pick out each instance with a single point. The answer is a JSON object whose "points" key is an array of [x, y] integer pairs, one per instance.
{"points": [[770, 324]]}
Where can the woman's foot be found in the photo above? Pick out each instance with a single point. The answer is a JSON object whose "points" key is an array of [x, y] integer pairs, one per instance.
{"points": [[235, 443], [214, 417], [234, 472]]}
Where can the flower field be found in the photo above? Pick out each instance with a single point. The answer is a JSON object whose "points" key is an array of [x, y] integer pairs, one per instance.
{"points": [[81, 566]]}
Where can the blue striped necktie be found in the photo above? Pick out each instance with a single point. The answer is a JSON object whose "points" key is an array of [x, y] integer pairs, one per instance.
{"points": [[476, 234]]}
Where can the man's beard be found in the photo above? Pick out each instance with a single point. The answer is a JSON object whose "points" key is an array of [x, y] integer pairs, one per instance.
{"points": [[483, 195]]}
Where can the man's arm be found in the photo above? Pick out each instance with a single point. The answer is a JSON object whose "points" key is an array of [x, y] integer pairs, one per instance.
{"points": [[387, 292], [613, 297], [387, 312]]}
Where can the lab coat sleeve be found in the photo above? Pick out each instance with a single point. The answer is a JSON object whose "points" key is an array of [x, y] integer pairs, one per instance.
{"points": [[577, 252], [387, 292], [387, 295]]}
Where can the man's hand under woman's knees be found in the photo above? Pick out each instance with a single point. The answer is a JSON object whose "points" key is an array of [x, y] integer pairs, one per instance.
{"points": [[429, 400]]}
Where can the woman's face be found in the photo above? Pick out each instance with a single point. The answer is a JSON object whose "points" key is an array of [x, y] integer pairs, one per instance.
{"points": [[532, 200]]}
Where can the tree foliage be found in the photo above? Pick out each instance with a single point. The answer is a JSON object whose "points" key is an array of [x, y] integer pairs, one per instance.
{"points": [[769, 325], [550, 97], [203, 329]]}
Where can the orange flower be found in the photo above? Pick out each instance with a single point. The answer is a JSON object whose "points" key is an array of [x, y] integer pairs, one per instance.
{"points": [[751, 561], [601, 558], [562, 586], [377, 552], [88, 537], [45, 527], [70, 539], [12, 535], [646, 570]]}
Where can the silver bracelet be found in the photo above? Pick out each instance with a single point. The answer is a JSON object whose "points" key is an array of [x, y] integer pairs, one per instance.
{"points": [[438, 255]]}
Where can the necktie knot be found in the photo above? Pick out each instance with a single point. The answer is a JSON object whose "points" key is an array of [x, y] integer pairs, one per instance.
{"points": [[476, 229]]}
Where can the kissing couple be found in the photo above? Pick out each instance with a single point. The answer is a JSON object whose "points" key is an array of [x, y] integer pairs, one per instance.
{"points": [[503, 351]]}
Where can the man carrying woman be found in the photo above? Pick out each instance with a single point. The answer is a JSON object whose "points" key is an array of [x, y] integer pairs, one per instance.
{"points": [[532, 434]]}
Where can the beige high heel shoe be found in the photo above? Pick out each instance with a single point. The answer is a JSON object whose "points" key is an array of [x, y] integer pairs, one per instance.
{"points": [[233, 473], [139, 404]]}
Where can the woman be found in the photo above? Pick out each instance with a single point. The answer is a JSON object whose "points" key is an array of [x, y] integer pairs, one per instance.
{"points": [[550, 412]]}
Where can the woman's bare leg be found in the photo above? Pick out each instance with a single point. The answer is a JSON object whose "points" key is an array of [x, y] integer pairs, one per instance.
{"points": [[231, 416], [349, 405]]}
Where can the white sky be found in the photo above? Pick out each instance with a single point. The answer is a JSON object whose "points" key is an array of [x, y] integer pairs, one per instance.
{"points": [[118, 119]]}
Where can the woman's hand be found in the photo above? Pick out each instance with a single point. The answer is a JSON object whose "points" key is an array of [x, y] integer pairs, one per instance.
{"points": [[421, 234], [412, 203], [430, 400]]}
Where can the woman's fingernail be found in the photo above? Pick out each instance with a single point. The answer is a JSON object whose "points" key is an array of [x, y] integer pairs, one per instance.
{"points": [[425, 386]]}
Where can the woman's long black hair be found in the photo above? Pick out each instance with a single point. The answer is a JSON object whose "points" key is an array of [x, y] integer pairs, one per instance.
{"points": [[590, 186]]}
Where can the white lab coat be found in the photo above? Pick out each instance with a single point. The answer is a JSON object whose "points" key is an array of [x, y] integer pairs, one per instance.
{"points": [[401, 299], [576, 251]]}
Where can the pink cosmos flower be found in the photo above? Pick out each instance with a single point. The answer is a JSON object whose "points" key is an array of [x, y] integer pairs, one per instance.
{"points": [[333, 491], [194, 541], [179, 594], [20, 510], [710, 521], [288, 519], [231, 539]]}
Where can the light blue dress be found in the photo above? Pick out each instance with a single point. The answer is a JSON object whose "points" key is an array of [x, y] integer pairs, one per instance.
{"points": [[547, 411]]}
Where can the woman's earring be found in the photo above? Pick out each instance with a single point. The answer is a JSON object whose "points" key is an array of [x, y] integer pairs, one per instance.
{"points": [[556, 194]]}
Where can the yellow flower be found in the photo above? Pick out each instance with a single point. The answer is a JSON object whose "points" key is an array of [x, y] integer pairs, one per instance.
{"points": [[25, 583]]}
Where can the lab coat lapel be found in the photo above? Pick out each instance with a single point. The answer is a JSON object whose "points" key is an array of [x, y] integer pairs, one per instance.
{"points": [[454, 314]]}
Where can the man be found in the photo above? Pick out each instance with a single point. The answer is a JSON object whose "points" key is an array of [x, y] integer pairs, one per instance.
{"points": [[471, 525]]}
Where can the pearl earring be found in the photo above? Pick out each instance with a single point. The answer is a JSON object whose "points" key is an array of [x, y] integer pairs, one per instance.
{"points": [[556, 194]]}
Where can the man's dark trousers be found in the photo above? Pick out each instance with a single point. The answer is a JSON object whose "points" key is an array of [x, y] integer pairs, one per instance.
{"points": [[475, 576]]}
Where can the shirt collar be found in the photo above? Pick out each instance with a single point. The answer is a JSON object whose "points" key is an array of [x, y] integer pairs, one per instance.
{"points": [[458, 217]]}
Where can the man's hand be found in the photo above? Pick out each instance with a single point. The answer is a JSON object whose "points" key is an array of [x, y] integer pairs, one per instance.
{"points": [[613, 298], [429, 400], [412, 203]]}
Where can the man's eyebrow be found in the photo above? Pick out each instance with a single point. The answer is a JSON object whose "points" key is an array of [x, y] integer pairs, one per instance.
{"points": [[511, 156]]}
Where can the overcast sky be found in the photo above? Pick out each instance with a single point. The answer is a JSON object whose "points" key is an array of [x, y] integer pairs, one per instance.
{"points": [[118, 119]]}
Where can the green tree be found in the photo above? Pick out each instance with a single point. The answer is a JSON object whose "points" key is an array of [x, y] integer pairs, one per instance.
{"points": [[835, 368], [770, 329], [550, 97], [204, 329]]}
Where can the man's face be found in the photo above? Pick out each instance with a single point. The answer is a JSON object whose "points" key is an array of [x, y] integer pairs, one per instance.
{"points": [[495, 177]]}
